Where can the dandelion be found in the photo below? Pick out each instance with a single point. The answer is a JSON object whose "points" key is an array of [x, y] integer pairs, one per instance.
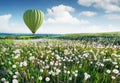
{"points": [[2, 63], [10, 62], [21, 64], [113, 77], [47, 66], [68, 72], [47, 79], [86, 76], [115, 71], [114, 63], [51, 63], [66, 52], [116, 66], [53, 73], [41, 70], [3, 79], [40, 78], [14, 81], [57, 56], [6, 81], [108, 71], [31, 58], [76, 71], [14, 66], [10, 72], [85, 55], [58, 71], [17, 56], [50, 72], [15, 76], [17, 73], [25, 63], [102, 65], [70, 78], [76, 74], [17, 51]]}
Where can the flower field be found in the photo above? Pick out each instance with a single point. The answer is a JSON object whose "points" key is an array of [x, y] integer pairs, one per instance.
{"points": [[59, 61]]}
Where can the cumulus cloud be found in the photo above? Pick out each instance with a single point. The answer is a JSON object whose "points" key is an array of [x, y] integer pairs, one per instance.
{"points": [[4, 20], [88, 13], [62, 14], [107, 5], [113, 16], [6, 25]]}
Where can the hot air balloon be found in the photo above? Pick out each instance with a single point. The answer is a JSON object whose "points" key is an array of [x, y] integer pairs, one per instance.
{"points": [[33, 19]]}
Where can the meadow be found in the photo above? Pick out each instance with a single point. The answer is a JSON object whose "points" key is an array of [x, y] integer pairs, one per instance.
{"points": [[60, 61]]}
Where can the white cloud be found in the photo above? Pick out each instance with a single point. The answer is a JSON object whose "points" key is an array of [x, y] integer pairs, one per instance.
{"points": [[6, 25], [88, 13], [113, 16], [61, 14], [4, 20], [78, 29], [86, 2], [107, 5]]}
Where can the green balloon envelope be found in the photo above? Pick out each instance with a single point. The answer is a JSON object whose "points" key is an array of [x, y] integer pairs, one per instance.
{"points": [[33, 19]]}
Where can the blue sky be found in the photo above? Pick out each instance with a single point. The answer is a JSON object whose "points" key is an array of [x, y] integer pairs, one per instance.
{"points": [[62, 16]]}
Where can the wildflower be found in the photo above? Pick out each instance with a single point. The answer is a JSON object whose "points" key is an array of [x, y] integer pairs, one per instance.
{"points": [[6, 82], [70, 78], [113, 77], [66, 52], [21, 64], [76, 71], [10, 72], [47, 66], [13, 66], [76, 74], [105, 60], [108, 71], [4, 49], [2, 63], [68, 72], [41, 70], [57, 56], [50, 72], [17, 73], [115, 71], [15, 76], [116, 66], [31, 58], [102, 65], [40, 78], [86, 55], [58, 71], [14, 81], [60, 64], [3, 79], [17, 51], [51, 63], [65, 71], [25, 63], [86, 76], [114, 63], [10, 62], [53, 73], [17, 56], [47, 79]]}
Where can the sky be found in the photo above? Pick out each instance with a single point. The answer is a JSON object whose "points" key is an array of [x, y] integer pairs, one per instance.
{"points": [[62, 16]]}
